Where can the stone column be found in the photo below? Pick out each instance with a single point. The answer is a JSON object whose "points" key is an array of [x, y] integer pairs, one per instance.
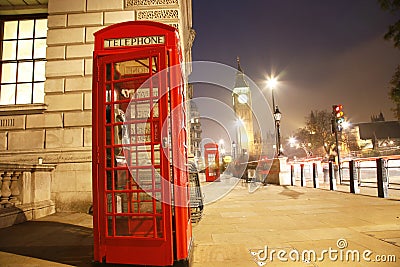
{"points": [[1, 180], [5, 190], [14, 188]]}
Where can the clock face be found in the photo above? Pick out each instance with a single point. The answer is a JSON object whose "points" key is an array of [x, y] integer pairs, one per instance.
{"points": [[242, 98]]}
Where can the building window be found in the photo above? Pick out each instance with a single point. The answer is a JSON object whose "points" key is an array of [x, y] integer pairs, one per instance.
{"points": [[23, 58]]}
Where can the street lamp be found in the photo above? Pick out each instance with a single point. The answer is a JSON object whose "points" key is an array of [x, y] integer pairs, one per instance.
{"points": [[272, 83], [277, 118]]}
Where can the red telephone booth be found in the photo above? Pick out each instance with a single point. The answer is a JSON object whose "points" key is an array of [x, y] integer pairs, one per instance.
{"points": [[141, 213], [211, 156]]}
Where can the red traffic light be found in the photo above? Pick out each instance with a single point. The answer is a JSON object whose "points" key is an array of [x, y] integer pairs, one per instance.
{"points": [[337, 108]]}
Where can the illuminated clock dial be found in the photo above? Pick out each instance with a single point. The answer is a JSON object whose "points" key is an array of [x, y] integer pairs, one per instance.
{"points": [[242, 98]]}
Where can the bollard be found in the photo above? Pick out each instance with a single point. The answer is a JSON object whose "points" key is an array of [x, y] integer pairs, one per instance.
{"points": [[381, 178], [315, 176], [353, 177], [291, 175], [325, 169], [332, 180], [336, 172], [302, 181]]}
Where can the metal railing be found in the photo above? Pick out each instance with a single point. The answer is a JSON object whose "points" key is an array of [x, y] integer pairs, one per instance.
{"points": [[381, 174], [367, 171]]}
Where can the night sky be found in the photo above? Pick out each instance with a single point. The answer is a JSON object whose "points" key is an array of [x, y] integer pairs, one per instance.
{"points": [[325, 52]]}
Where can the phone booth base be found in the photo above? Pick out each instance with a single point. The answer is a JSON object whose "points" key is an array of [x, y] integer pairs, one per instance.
{"points": [[212, 175], [141, 211]]}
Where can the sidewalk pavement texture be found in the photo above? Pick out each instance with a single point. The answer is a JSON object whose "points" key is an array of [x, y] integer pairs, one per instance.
{"points": [[235, 231]]}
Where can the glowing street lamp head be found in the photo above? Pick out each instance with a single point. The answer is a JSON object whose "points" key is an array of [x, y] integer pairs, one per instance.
{"points": [[272, 82], [292, 140]]}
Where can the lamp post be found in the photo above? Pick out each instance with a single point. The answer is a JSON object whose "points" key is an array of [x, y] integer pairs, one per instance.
{"points": [[272, 82], [277, 118]]}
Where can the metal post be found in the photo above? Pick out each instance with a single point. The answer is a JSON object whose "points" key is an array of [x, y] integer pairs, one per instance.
{"points": [[278, 132], [302, 182], [353, 177], [332, 180], [273, 99], [382, 179], [315, 176], [291, 175], [275, 122], [338, 154]]}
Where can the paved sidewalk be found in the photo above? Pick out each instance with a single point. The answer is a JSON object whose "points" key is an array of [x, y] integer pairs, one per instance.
{"points": [[295, 218], [281, 218]]}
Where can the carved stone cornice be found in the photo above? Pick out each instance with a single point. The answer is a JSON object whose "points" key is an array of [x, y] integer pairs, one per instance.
{"points": [[158, 14], [133, 3]]}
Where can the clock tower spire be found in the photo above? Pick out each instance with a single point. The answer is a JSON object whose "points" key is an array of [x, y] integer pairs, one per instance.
{"points": [[241, 97]]}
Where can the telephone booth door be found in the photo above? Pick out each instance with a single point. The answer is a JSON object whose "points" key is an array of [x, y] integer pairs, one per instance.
{"points": [[134, 188], [211, 156]]}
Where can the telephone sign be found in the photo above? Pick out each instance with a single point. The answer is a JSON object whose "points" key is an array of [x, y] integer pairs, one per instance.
{"points": [[134, 41]]}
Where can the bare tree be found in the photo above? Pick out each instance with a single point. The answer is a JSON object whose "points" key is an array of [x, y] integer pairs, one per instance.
{"points": [[317, 134]]}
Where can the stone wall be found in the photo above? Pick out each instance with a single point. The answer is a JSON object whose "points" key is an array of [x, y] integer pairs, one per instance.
{"points": [[59, 131]]}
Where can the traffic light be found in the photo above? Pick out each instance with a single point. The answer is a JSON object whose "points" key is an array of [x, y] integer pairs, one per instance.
{"points": [[338, 116]]}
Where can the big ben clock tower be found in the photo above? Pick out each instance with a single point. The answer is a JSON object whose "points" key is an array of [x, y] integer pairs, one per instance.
{"points": [[242, 106]]}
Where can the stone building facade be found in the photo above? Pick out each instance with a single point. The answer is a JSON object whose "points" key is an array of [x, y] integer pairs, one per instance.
{"points": [[195, 133], [55, 125]]}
